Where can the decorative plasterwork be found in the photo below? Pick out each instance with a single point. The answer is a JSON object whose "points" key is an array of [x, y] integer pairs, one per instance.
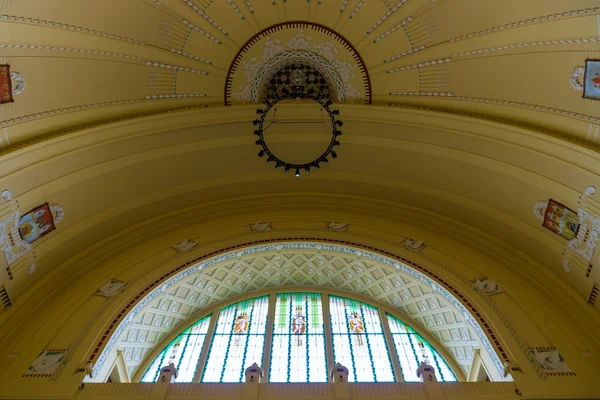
{"points": [[302, 267], [387, 15], [303, 57], [351, 279], [68, 49], [70, 27], [544, 18], [576, 78], [18, 83], [301, 41]]}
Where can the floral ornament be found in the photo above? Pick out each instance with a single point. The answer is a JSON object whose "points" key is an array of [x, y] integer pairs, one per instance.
{"points": [[18, 83], [299, 44]]}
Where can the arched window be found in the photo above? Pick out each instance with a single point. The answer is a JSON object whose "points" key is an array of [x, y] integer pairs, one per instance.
{"points": [[184, 351], [238, 341], [412, 349], [298, 350], [359, 341]]}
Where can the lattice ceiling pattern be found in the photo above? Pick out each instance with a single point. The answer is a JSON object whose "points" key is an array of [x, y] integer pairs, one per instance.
{"points": [[319, 268]]}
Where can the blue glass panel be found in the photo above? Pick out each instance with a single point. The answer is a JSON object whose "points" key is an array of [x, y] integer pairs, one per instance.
{"points": [[412, 349], [238, 340], [184, 351], [298, 350], [358, 341]]}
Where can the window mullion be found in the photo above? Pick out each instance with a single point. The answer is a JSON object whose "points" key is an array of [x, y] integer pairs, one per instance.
{"points": [[266, 362], [328, 334], [391, 346], [212, 326]]}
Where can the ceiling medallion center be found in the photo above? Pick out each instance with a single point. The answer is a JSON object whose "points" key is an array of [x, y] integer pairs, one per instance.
{"points": [[299, 93]]}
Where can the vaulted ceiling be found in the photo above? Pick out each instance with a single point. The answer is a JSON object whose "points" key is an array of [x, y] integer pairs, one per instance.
{"points": [[135, 117]]}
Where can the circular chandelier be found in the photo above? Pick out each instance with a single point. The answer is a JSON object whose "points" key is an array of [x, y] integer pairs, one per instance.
{"points": [[279, 163]]}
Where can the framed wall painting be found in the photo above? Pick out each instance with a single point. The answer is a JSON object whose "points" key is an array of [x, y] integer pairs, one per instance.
{"points": [[5, 84], [561, 220], [591, 80]]}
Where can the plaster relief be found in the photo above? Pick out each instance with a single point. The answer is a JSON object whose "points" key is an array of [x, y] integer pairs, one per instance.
{"points": [[551, 361], [337, 226], [413, 245], [46, 363], [261, 227], [110, 289], [486, 286], [185, 246]]}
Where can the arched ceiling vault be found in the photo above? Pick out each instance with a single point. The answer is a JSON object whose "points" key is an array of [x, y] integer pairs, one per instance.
{"points": [[475, 117], [178, 301]]}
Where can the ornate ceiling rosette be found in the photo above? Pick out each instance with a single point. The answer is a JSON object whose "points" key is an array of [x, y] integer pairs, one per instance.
{"points": [[297, 54]]}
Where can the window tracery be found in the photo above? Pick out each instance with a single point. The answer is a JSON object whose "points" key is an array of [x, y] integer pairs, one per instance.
{"points": [[184, 351], [238, 341], [298, 343], [412, 349], [298, 350]]}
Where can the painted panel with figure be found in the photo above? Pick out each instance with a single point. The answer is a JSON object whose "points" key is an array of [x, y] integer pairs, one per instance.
{"points": [[591, 81], [561, 220], [5, 85], [36, 223]]}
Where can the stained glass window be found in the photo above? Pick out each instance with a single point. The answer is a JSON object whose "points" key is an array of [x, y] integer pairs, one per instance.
{"points": [[238, 341], [298, 351], [184, 351], [412, 349], [358, 341]]}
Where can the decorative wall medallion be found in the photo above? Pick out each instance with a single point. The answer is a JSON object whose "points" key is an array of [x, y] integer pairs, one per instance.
{"points": [[110, 289], [486, 286], [413, 245], [551, 361], [576, 78], [5, 85], [327, 60], [261, 227], [185, 246], [561, 220], [17, 82], [337, 226], [591, 81], [46, 363]]}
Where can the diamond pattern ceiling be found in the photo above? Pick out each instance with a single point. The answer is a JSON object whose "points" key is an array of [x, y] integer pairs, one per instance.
{"points": [[326, 269]]}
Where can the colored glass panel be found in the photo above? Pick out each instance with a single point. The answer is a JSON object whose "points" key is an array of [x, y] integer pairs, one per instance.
{"points": [[238, 340], [359, 342], [412, 349], [184, 351], [298, 350]]}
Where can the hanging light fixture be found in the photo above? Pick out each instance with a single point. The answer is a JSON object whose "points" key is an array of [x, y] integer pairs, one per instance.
{"points": [[335, 132]]}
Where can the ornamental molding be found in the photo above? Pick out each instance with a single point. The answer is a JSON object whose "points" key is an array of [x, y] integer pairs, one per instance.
{"points": [[528, 21], [323, 54], [68, 49], [307, 57], [576, 78], [140, 300], [70, 27], [20, 83]]}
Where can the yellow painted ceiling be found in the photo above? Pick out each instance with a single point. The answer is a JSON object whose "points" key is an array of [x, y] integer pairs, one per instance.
{"points": [[472, 121]]}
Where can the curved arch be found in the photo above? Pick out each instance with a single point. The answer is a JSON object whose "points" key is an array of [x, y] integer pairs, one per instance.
{"points": [[424, 276]]}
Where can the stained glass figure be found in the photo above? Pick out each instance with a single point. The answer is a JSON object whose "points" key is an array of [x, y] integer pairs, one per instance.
{"points": [[184, 351], [298, 350], [412, 349], [359, 342], [238, 341]]}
